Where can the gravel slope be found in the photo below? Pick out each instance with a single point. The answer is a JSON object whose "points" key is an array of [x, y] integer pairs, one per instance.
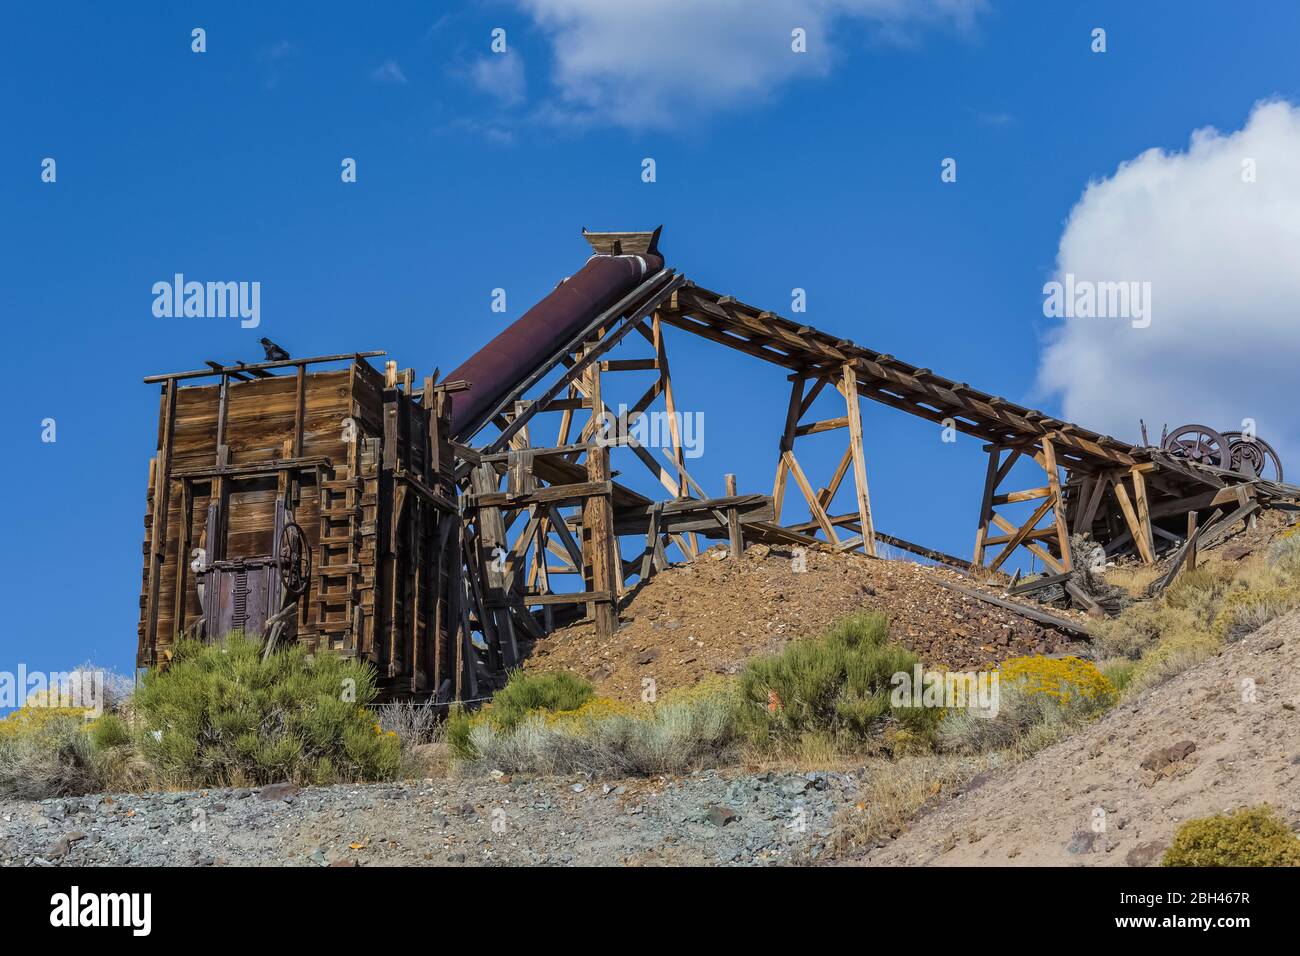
{"points": [[708, 617], [704, 819]]}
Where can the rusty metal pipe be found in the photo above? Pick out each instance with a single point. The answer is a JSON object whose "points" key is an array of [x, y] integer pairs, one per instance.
{"points": [[494, 370]]}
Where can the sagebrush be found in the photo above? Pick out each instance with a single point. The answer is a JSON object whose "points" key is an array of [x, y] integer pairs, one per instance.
{"points": [[837, 685], [220, 715], [553, 723]]}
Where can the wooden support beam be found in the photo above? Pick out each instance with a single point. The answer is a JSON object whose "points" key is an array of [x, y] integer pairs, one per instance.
{"points": [[1028, 494], [670, 399], [1083, 523], [600, 544], [1143, 506], [237, 370], [814, 506], [1186, 555], [827, 425], [629, 365], [1020, 534], [573, 597], [653, 546], [1040, 552], [735, 538], [553, 495], [986, 505], [1212, 534], [792, 415], [1083, 599], [1058, 506], [1038, 534], [1029, 587], [1131, 519], [491, 544], [828, 493], [1033, 614], [850, 390]]}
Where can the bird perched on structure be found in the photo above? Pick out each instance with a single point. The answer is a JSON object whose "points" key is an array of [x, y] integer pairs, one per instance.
{"points": [[273, 352]]}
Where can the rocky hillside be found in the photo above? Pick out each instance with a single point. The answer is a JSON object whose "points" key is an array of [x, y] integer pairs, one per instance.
{"points": [[1222, 735]]}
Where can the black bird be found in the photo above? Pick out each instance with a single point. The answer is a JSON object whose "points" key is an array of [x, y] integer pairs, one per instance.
{"points": [[273, 352]]}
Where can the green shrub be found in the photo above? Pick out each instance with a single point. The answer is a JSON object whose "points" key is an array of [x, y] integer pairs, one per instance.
{"points": [[838, 684], [108, 731], [460, 723], [1119, 671], [1253, 836], [528, 692], [220, 715]]}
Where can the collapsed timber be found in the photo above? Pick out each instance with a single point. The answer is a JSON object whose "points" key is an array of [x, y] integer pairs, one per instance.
{"points": [[423, 527]]}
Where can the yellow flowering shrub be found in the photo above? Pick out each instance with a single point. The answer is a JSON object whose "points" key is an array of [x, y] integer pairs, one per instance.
{"points": [[598, 708], [1253, 836], [1066, 680], [38, 710]]}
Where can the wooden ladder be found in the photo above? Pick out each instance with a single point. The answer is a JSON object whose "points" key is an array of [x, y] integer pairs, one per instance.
{"points": [[337, 568]]}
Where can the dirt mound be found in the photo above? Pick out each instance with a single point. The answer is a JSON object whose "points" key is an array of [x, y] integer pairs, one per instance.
{"points": [[1219, 736], [709, 616]]}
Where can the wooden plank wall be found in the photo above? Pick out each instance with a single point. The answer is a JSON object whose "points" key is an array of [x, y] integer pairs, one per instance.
{"points": [[260, 419]]}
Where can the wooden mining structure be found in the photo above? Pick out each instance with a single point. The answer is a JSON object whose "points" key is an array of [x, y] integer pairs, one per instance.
{"points": [[322, 501]]}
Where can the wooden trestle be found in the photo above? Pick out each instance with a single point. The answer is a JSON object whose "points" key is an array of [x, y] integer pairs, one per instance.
{"points": [[439, 560]]}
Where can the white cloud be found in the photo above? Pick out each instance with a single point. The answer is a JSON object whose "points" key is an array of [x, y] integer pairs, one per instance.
{"points": [[643, 63], [1223, 260], [501, 76], [388, 72]]}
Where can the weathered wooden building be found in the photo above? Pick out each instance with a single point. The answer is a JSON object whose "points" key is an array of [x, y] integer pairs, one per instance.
{"points": [[306, 500]]}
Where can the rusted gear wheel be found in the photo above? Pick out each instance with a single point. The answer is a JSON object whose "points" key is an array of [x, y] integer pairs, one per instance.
{"points": [[295, 559], [1262, 459], [1200, 444]]}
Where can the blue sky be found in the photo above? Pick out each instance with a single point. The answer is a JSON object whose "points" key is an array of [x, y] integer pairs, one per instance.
{"points": [[471, 176]]}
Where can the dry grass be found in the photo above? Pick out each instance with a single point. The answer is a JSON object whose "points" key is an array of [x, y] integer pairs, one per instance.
{"points": [[414, 724], [49, 758], [426, 761], [1135, 579], [1141, 627], [672, 737], [810, 752], [425, 753], [895, 791], [1026, 722], [1218, 602]]}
